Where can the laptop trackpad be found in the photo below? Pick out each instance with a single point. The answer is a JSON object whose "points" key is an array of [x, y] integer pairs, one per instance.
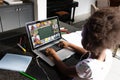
{"points": [[65, 53]]}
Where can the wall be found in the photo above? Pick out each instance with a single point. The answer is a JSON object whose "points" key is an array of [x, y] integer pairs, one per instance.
{"points": [[83, 10], [40, 9]]}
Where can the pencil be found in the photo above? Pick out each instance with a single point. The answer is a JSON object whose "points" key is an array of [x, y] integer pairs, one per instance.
{"points": [[22, 47], [25, 74]]}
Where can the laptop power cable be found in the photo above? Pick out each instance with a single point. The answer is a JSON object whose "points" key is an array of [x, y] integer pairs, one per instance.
{"points": [[42, 68]]}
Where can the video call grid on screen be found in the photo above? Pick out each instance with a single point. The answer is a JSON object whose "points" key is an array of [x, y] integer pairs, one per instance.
{"points": [[43, 32]]}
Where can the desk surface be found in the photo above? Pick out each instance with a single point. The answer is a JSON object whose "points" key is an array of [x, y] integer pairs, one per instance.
{"points": [[34, 70]]}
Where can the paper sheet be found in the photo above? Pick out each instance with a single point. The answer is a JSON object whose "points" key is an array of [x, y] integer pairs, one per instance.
{"points": [[15, 62], [74, 38], [14, 1]]}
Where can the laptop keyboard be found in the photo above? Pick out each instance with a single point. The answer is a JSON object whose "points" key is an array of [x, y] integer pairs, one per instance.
{"points": [[55, 47]]}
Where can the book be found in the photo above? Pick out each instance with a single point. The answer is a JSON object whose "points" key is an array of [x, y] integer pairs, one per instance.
{"points": [[15, 62], [74, 38]]}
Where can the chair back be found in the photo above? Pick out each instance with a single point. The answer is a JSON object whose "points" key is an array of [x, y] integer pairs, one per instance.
{"points": [[102, 3], [99, 4]]}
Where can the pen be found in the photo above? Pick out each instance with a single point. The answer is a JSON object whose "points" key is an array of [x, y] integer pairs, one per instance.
{"points": [[25, 74], [21, 47]]}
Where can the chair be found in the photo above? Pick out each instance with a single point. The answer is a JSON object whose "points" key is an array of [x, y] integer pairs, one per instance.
{"points": [[1, 1], [115, 50], [93, 8], [103, 3], [99, 4], [63, 16]]}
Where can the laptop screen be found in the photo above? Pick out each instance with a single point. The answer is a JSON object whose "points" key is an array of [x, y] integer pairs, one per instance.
{"points": [[43, 32]]}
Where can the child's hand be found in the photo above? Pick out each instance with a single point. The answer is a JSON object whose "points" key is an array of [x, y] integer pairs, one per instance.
{"points": [[50, 52], [64, 44]]}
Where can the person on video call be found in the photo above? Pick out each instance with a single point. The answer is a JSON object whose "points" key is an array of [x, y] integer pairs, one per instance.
{"points": [[100, 35]]}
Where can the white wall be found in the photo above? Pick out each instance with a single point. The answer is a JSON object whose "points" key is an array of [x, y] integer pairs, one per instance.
{"points": [[83, 10], [40, 9]]}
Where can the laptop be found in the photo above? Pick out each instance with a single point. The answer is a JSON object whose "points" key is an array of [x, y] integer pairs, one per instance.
{"points": [[46, 33]]}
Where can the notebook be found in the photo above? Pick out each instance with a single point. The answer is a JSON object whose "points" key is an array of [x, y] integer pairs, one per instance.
{"points": [[43, 34], [15, 62]]}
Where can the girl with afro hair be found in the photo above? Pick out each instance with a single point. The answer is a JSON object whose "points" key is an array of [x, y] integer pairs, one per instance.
{"points": [[100, 35]]}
